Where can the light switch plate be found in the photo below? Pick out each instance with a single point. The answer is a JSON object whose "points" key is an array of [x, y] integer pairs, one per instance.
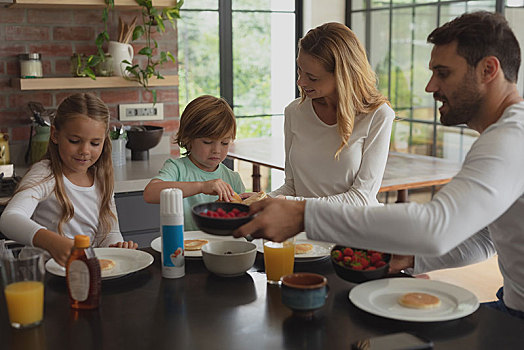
{"points": [[141, 111]]}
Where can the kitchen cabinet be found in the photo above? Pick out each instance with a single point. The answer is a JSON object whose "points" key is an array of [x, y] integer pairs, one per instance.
{"points": [[87, 83], [139, 221], [84, 3]]}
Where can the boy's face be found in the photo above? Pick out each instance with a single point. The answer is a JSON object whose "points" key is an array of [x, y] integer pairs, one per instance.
{"points": [[207, 153]]}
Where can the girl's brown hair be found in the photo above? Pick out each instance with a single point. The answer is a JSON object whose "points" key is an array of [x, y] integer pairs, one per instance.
{"points": [[340, 52], [205, 116], [82, 105]]}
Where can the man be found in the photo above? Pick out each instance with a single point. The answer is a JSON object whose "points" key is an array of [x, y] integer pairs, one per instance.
{"points": [[475, 64]]}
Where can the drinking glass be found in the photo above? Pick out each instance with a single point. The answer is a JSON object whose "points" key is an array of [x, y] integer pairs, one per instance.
{"points": [[22, 270], [279, 259]]}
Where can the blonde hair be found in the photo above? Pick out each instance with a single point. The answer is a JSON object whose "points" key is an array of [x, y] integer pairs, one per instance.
{"points": [[340, 52], [82, 105], [205, 116]]}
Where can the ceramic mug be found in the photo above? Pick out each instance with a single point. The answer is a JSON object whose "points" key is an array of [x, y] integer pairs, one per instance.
{"points": [[304, 292], [120, 52]]}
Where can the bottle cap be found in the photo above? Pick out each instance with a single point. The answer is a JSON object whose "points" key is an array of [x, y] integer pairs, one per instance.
{"points": [[82, 241], [171, 202]]}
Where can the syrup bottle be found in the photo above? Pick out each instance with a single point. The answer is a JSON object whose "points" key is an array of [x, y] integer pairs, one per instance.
{"points": [[83, 275]]}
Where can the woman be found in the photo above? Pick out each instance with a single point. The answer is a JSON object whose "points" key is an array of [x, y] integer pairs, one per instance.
{"points": [[337, 133]]}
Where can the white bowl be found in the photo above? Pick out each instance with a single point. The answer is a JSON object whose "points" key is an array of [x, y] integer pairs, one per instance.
{"points": [[229, 258]]}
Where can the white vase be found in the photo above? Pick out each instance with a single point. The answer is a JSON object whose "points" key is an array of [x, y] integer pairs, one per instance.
{"points": [[120, 52]]}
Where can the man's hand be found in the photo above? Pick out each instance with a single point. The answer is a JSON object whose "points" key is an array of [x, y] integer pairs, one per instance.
{"points": [[400, 262], [275, 220]]}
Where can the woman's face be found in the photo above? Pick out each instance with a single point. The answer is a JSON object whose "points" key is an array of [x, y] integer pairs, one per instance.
{"points": [[314, 79]]}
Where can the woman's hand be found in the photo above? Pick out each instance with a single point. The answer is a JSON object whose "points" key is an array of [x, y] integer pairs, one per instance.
{"points": [[219, 188], [126, 245]]}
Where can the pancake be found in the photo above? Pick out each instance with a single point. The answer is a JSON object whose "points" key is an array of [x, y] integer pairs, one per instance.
{"points": [[256, 197], [303, 248], [419, 301], [106, 264], [194, 244], [236, 198]]}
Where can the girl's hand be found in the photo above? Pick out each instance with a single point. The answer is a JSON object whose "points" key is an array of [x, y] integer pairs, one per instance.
{"points": [[58, 246], [126, 245], [219, 188]]}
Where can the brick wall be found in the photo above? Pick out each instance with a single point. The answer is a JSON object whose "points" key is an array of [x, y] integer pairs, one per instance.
{"points": [[57, 34]]}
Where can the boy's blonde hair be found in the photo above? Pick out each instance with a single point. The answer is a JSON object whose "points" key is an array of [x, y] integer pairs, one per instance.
{"points": [[341, 53], [205, 117], [84, 105]]}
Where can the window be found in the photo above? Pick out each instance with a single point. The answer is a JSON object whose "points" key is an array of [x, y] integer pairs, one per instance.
{"points": [[244, 51], [394, 33]]}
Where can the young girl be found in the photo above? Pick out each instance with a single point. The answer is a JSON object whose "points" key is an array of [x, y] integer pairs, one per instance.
{"points": [[70, 191], [207, 127]]}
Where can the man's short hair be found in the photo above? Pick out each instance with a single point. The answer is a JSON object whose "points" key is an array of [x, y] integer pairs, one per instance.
{"points": [[481, 34]]}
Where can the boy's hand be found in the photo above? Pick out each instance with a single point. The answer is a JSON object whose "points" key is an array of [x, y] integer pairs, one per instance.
{"points": [[219, 188], [126, 245]]}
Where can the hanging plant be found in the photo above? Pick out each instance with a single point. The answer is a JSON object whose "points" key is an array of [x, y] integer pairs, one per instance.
{"points": [[152, 20]]}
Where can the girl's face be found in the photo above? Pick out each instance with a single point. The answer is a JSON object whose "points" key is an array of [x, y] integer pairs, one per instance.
{"points": [[207, 153], [314, 79], [80, 142]]}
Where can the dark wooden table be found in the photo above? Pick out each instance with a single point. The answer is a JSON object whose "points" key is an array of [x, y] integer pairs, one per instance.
{"points": [[403, 171], [203, 311]]}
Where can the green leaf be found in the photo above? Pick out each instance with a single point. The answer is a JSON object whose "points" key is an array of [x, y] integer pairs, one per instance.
{"points": [[170, 55], [146, 51], [138, 32], [153, 92]]}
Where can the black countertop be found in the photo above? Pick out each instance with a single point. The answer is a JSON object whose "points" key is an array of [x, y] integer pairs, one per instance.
{"points": [[203, 311]]}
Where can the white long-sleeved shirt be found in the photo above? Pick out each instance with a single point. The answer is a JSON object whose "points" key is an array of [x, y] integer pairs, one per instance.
{"points": [[488, 191], [311, 170], [37, 207]]}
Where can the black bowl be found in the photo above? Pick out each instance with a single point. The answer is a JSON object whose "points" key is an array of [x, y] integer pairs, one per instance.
{"points": [[142, 138], [219, 226], [359, 276]]}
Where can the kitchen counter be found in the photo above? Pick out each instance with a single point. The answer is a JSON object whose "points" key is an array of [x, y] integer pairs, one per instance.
{"points": [[136, 174]]}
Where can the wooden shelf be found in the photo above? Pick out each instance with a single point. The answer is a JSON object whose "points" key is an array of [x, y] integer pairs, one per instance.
{"points": [[87, 83], [85, 3]]}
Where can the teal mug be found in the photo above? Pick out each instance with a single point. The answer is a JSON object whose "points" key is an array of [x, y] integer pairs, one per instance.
{"points": [[304, 292]]}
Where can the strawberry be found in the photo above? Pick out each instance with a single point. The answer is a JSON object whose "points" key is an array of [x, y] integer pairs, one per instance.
{"points": [[356, 266], [347, 260], [375, 257], [380, 263], [364, 262], [348, 252], [337, 255]]}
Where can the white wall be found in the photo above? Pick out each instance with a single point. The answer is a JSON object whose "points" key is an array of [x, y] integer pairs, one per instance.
{"points": [[319, 12], [515, 17]]}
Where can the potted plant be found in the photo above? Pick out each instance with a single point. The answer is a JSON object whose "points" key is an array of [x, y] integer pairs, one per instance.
{"points": [[152, 20]]}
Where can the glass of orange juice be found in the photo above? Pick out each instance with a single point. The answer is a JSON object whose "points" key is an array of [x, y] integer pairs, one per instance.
{"points": [[279, 259], [23, 280]]}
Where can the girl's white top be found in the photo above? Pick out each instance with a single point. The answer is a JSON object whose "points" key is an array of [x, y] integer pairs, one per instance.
{"points": [[37, 207]]}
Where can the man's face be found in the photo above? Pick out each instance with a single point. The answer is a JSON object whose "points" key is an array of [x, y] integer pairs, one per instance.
{"points": [[455, 84]]}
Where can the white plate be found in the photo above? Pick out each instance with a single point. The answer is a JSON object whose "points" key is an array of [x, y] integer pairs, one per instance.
{"points": [[126, 261], [379, 297], [320, 249], [156, 244]]}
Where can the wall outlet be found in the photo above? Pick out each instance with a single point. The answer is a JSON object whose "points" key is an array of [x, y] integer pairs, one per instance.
{"points": [[141, 111]]}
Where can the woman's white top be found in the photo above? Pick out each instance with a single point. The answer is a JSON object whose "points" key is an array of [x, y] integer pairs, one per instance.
{"points": [[311, 169], [488, 191], [37, 207]]}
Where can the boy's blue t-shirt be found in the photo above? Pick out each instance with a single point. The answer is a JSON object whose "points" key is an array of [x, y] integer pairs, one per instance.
{"points": [[183, 169]]}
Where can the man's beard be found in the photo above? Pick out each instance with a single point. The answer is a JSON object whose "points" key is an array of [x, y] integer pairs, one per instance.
{"points": [[466, 102]]}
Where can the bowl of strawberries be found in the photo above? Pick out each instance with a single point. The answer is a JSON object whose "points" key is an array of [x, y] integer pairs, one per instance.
{"points": [[359, 265], [220, 218]]}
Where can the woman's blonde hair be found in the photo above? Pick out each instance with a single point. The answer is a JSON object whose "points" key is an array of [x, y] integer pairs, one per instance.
{"points": [[83, 105], [205, 116], [338, 49]]}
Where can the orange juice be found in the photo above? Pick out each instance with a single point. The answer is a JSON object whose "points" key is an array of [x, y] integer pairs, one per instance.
{"points": [[278, 259], [25, 302]]}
